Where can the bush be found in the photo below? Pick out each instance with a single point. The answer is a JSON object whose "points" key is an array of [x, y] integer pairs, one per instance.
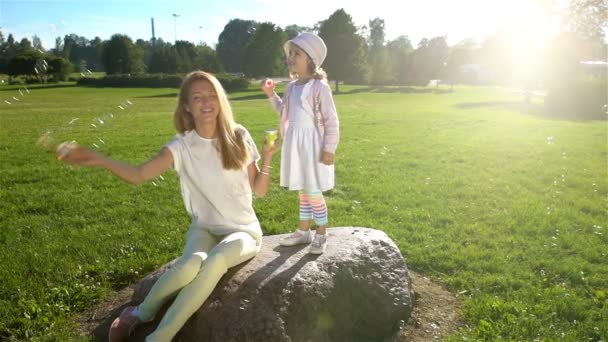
{"points": [[229, 82], [582, 99]]}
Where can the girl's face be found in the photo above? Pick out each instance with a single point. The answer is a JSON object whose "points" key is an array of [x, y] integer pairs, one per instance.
{"points": [[298, 61], [203, 103]]}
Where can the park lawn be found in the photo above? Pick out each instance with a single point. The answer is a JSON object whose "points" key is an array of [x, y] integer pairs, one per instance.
{"points": [[503, 205]]}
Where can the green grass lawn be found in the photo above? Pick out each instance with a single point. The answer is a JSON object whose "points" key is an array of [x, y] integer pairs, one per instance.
{"points": [[497, 202]]}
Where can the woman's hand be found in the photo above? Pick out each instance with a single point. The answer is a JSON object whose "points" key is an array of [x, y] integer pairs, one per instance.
{"points": [[78, 155], [267, 86], [270, 150], [328, 158]]}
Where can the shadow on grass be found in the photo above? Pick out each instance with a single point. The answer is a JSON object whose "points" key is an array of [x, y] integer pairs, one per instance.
{"points": [[172, 95], [401, 90], [387, 90], [239, 97], [38, 86], [533, 109]]}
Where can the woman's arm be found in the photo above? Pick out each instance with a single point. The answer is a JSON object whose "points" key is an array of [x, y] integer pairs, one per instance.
{"points": [[133, 174], [260, 179]]}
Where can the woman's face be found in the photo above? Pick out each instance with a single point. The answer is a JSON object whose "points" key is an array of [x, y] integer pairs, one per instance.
{"points": [[203, 102], [297, 60]]}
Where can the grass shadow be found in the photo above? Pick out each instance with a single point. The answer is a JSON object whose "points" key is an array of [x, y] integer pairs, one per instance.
{"points": [[260, 96], [528, 108], [39, 86], [172, 95], [391, 90]]}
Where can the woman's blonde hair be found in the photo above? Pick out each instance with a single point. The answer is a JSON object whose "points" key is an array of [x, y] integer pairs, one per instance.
{"points": [[317, 73], [230, 136]]}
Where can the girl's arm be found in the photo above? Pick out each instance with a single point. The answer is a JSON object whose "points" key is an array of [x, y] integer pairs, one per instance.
{"points": [[260, 179], [329, 115], [275, 99], [133, 174]]}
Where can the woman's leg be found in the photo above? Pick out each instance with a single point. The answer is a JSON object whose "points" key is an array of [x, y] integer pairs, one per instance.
{"points": [[231, 251], [198, 244]]}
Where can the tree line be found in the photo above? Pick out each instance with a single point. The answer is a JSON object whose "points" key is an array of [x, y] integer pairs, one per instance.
{"points": [[360, 55]]}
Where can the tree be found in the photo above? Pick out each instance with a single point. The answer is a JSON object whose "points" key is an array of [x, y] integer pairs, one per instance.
{"points": [[185, 54], [206, 59], [58, 50], [377, 55], [344, 53], [459, 55], [59, 68], [24, 45], [587, 18], [3, 57], [264, 54], [37, 43], [27, 63], [429, 59], [147, 48], [121, 56], [163, 60], [232, 42], [293, 30], [399, 51]]}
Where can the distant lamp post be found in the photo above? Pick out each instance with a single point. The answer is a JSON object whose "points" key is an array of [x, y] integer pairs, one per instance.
{"points": [[175, 16]]}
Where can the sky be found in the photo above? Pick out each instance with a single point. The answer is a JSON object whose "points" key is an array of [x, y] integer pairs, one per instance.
{"points": [[203, 21]]}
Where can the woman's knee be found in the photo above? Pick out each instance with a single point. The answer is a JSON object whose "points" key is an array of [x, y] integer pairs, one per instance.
{"points": [[216, 263], [186, 268]]}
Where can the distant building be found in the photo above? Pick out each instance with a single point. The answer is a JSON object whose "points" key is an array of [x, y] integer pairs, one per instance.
{"points": [[476, 73], [597, 69]]}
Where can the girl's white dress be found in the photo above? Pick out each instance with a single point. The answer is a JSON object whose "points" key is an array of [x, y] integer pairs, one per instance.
{"points": [[301, 167]]}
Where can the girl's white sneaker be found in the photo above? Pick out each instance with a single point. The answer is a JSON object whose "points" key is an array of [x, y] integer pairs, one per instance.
{"points": [[318, 244], [298, 237]]}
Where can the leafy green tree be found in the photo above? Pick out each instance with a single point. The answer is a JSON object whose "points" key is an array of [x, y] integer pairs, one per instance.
{"points": [[264, 55], [232, 42], [27, 63], [293, 30], [37, 43], [345, 53], [460, 55], [377, 55], [121, 56], [163, 60], [399, 53], [207, 59]]}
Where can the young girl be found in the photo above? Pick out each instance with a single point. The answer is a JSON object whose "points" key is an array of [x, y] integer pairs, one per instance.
{"points": [[310, 130], [216, 161]]}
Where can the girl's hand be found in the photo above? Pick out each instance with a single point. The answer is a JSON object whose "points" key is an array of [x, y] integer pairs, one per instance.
{"points": [[267, 86], [78, 155], [270, 150], [328, 158]]}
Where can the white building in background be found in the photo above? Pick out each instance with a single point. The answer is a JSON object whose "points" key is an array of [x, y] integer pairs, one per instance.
{"points": [[595, 68], [481, 73]]}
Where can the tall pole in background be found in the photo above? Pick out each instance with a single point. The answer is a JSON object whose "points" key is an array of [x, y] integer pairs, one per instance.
{"points": [[153, 35], [175, 16]]}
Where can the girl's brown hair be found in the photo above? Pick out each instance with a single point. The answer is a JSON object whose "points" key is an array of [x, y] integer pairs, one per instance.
{"points": [[230, 136]]}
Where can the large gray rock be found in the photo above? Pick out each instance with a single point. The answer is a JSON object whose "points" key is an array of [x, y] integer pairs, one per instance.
{"points": [[358, 290]]}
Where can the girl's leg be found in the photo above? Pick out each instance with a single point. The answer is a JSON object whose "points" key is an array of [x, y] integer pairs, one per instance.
{"points": [[305, 211], [319, 210], [231, 251], [302, 234], [198, 244]]}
